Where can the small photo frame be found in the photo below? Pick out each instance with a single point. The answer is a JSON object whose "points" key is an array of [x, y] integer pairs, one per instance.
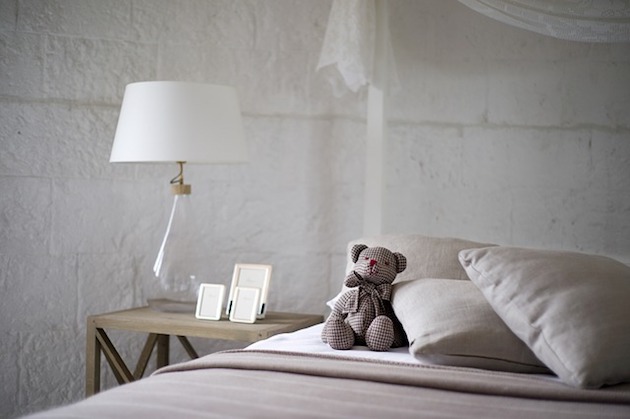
{"points": [[246, 304], [210, 301], [250, 276]]}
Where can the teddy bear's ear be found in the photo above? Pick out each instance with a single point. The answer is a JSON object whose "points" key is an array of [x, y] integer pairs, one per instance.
{"points": [[401, 262], [356, 251]]}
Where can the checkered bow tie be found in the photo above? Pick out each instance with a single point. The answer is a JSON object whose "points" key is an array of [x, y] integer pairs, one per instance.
{"points": [[377, 293]]}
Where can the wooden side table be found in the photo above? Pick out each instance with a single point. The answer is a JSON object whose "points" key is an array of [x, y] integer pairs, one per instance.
{"points": [[160, 326]]}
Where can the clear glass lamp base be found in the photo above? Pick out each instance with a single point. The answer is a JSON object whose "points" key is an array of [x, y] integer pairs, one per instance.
{"points": [[179, 263]]}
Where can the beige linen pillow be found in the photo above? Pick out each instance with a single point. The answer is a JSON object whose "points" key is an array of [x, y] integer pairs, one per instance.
{"points": [[449, 322], [427, 257], [571, 309]]}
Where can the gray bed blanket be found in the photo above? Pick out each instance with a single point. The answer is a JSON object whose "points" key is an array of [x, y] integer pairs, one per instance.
{"points": [[269, 384]]}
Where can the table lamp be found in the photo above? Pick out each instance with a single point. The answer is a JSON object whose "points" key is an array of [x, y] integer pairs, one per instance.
{"points": [[178, 122]]}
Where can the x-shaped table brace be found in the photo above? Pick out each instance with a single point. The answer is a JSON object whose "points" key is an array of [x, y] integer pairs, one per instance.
{"points": [[102, 343]]}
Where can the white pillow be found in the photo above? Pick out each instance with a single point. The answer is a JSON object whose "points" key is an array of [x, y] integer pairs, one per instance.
{"points": [[571, 309], [449, 322]]}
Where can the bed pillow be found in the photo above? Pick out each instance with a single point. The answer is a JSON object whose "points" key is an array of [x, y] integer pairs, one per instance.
{"points": [[449, 322], [571, 309], [427, 257]]}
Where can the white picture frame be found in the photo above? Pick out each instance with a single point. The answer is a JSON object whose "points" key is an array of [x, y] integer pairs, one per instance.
{"points": [[248, 275], [246, 305], [210, 301]]}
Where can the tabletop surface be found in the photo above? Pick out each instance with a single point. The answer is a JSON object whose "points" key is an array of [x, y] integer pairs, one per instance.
{"points": [[146, 319]]}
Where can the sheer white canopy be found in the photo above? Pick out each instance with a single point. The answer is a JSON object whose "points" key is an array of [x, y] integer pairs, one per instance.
{"points": [[350, 39], [573, 20], [349, 42]]}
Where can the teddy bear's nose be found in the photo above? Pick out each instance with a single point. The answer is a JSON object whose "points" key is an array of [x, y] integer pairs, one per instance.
{"points": [[372, 262]]}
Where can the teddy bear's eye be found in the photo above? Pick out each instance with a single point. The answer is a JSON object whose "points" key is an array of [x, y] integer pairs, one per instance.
{"points": [[366, 258]]}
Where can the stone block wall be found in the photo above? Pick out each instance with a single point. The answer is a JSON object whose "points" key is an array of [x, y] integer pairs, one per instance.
{"points": [[496, 134], [503, 135]]}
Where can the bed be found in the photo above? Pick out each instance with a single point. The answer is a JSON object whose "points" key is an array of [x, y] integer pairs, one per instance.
{"points": [[493, 331]]}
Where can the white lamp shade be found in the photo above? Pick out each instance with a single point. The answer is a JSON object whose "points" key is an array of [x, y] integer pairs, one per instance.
{"points": [[168, 121]]}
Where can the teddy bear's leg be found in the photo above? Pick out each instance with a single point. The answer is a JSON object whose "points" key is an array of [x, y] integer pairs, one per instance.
{"points": [[338, 334], [324, 334], [380, 334]]}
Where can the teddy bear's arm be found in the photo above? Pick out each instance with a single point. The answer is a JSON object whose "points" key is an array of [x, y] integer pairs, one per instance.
{"points": [[340, 305], [336, 332]]}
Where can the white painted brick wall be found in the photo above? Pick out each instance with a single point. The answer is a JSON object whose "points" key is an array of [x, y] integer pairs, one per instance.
{"points": [[497, 135], [22, 64]]}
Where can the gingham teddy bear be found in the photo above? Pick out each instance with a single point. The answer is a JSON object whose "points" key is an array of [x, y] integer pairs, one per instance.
{"points": [[363, 315]]}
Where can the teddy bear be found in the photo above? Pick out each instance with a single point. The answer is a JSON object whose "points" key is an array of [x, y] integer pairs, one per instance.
{"points": [[363, 315]]}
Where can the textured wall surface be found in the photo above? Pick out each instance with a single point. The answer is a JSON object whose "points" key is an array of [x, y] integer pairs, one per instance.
{"points": [[497, 135]]}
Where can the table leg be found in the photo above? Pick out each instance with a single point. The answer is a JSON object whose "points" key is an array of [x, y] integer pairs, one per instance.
{"points": [[97, 341], [162, 350], [188, 347], [119, 368], [141, 366], [92, 361]]}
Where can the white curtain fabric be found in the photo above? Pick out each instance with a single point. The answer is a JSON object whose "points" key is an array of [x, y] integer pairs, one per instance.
{"points": [[349, 44], [348, 54], [574, 20]]}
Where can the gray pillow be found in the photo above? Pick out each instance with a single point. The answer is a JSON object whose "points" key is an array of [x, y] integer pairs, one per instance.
{"points": [[449, 322], [571, 309]]}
